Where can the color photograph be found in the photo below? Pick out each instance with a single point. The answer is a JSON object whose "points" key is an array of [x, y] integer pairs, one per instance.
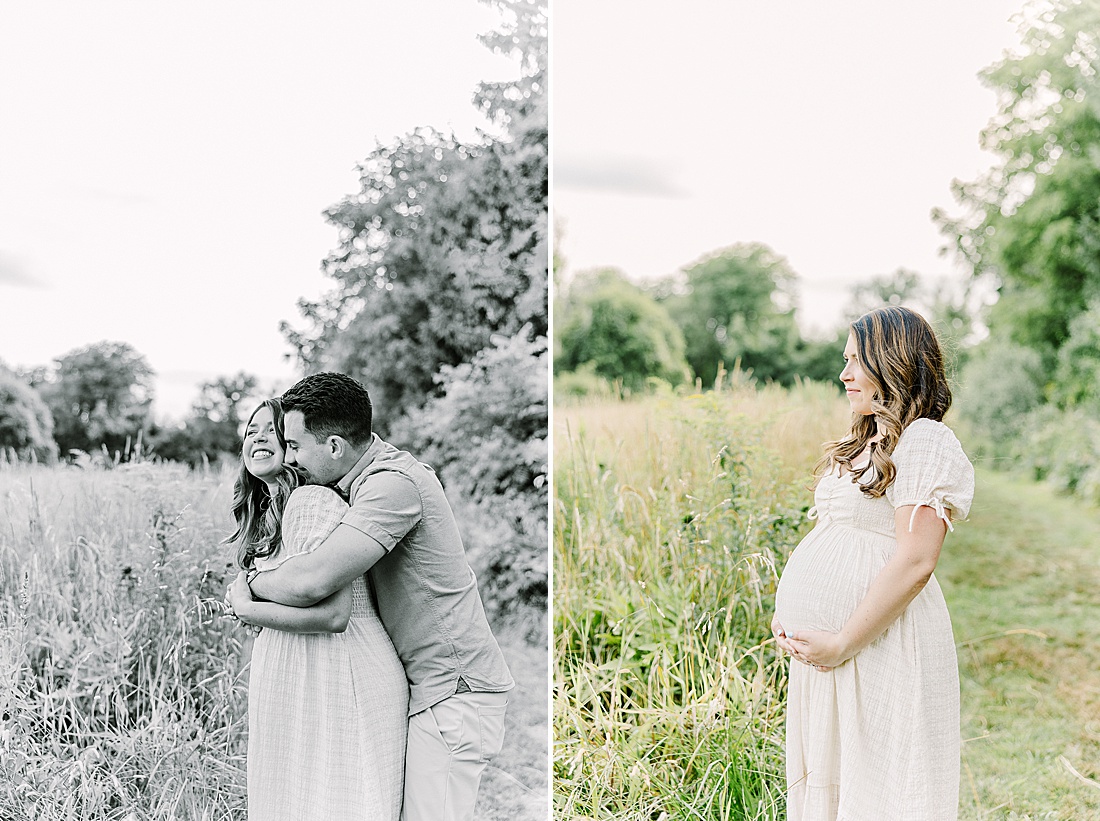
{"points": [[826, 420]]}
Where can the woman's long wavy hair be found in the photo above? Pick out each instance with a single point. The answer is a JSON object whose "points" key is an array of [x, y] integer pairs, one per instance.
{"points": [[901, 357], [258, 511]]}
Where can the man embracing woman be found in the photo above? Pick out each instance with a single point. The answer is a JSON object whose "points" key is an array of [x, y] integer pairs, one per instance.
{"points": [[377, 690]]}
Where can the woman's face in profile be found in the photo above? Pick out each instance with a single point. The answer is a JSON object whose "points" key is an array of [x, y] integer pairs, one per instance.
{"points": [[262, 453], [856, 385]]}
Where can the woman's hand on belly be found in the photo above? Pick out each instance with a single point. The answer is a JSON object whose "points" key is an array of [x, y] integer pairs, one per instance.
{"points": [[820, 649], [795, 651]]}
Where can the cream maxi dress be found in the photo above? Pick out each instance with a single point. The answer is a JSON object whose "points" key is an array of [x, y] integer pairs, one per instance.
{"points": [[326, 711], [876, 738]]}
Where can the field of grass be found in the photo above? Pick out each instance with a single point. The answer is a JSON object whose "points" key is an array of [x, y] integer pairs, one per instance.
{"points": [[123, 690], [673, 518], [1022, 580]]}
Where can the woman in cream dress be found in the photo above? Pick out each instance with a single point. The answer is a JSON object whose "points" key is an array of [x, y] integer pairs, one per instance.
{"points": [[873, 691], [327, 697]]}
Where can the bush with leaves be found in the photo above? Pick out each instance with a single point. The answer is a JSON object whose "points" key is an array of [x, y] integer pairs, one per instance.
{"points": [[619, 332], [486, 436], [1077, 374], [1062, 448], [26, 425], [999, 386]]}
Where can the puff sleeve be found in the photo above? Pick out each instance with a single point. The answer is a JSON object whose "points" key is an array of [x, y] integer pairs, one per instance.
{"points": [[311, 514], [932, 471]]}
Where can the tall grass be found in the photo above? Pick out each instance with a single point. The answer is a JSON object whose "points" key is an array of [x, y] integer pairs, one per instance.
{"points": [[122, 693], [673, 518], [123, 689]]}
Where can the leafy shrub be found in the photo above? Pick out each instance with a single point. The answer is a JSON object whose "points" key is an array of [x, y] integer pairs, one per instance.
{"points": [[999, 386], [486, 435], [1077, 375], [583, 382], [1062, 448]]}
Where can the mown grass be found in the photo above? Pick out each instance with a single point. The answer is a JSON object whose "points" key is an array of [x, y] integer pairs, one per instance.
{"points": [[123, 690], [673, 518], [1022, 581]]}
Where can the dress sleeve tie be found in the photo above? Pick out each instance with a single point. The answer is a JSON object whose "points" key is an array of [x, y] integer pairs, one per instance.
{"points": [[938, 506], [812, 513]]}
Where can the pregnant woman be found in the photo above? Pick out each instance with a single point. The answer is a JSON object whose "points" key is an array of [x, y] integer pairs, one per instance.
{"points": [[327, 695], [873, 691]]}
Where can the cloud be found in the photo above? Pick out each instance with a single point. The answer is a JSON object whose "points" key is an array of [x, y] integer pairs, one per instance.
{"points": [[617, 175], [13, 271]]}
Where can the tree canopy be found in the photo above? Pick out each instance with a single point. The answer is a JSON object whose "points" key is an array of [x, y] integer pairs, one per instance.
{"points": [[100, 397], [736, 304], [611, 326], [445, 243], [1031, 225], [26, 425]]}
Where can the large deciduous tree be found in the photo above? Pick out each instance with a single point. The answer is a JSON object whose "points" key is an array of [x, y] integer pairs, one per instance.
{"points": [[445, 243], [1031, 224], [100, 397], [440, 307], [736, 304]]}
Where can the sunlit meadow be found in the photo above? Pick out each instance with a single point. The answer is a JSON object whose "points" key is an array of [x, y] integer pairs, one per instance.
{"points": [[674, 516]]}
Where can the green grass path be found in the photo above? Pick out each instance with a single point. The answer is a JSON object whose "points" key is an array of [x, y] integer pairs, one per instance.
{"points": [[1022, 582]]}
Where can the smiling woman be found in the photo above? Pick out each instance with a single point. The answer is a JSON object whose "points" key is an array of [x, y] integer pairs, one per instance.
{"points": [[323, 678], [263, 451]]}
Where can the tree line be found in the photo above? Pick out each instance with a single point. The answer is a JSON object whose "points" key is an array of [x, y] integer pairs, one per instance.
{"points": [[1022, 331], [94, 403], [733, 308], [438, 305]]}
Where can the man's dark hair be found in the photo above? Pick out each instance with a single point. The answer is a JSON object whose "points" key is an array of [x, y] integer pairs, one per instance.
{"points": [[333, 405]]}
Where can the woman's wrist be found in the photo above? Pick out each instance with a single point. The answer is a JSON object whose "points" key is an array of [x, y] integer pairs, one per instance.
{"points": [[845, 644]]}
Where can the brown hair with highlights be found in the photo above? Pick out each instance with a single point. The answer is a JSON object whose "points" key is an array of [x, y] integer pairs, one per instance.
{"points": [[901, 357], [257, 511]]}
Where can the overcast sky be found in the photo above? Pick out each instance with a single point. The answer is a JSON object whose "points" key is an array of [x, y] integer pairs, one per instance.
{"points": [[827, 131], [163, 166]]}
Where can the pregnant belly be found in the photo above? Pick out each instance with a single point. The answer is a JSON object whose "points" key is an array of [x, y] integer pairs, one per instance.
{"points": [[826, 577]]}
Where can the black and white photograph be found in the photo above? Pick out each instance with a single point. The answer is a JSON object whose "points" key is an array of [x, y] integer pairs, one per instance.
{"points": [[274, 410]]}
